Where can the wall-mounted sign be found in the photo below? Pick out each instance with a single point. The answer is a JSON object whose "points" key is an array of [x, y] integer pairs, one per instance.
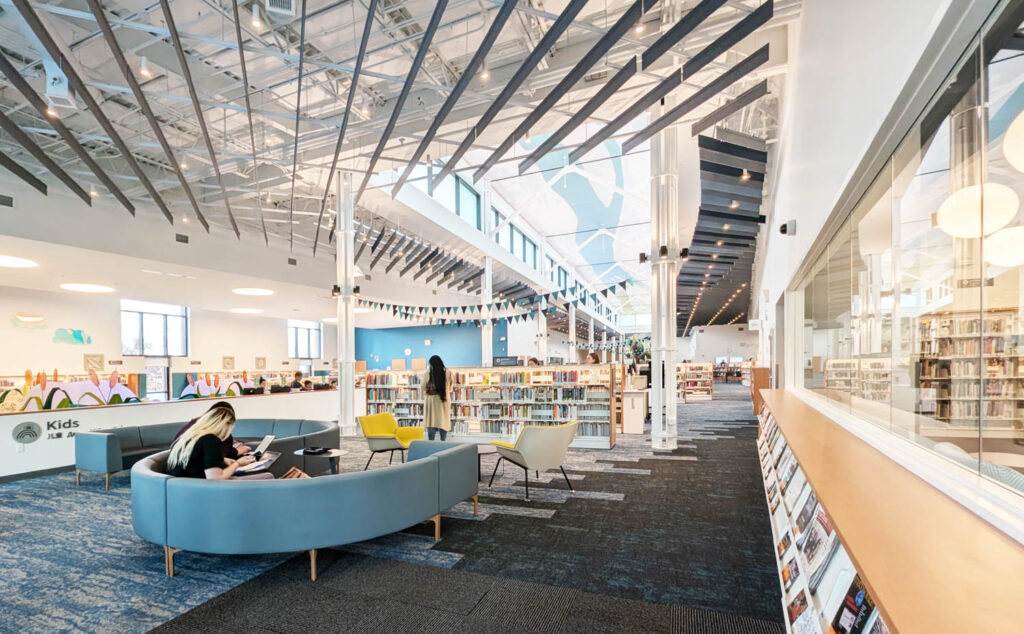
{"points": [[754, 324], [195, 362], [25, 433], [285, 362], [115, 362]]}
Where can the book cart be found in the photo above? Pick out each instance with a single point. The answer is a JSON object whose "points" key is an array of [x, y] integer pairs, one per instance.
{"points": [[695, 381], [496, 403], [821, 590]]}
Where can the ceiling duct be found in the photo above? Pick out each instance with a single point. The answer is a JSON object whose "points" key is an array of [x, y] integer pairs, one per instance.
{"points": [[59, 93], [280, 7]]}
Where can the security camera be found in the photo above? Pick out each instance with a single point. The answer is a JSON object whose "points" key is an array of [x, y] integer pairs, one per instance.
{"points": [[788, 228]]}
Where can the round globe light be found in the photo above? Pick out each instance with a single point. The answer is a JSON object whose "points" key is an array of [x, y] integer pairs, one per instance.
{"points": [[1013, 143], [960, 215], [87, 288], [1003, 248]]}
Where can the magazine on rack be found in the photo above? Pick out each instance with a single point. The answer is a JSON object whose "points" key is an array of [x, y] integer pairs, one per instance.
{"points": [[797, 607], [786, 474], [784, 544], [803, 520], [879, 626], [819, 547], [806, 623], [790, 573], [796, 487], [782, 454], [856, 609]]}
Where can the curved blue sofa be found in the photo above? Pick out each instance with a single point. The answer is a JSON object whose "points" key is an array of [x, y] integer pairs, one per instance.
{"points": [[201, 516], [111, 450]]}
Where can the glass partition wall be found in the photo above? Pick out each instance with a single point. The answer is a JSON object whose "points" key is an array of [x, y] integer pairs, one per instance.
{"points": [[914, 313]]}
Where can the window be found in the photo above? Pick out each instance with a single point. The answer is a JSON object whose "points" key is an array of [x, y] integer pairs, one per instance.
{"points": [[530, 252], [504, 236], [912, 312], [305, 339], [444, 193], [517, 244], [468, 204], [551, 267], [563, 279], [153, 330]]}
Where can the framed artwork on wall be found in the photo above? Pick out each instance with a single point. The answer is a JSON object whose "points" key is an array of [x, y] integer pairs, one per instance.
{"points": [[261, 363], [93, 362], [228, 363]]}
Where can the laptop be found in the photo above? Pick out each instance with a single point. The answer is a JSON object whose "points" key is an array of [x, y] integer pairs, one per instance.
{"points": [[263, 446], [264, 458]]}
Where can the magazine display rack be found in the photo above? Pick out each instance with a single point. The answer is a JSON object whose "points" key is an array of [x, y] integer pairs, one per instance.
{"points": [[496, 403], [821, 590]]}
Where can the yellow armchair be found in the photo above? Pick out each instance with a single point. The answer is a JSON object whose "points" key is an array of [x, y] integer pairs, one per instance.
{"points": [[383, 434]]}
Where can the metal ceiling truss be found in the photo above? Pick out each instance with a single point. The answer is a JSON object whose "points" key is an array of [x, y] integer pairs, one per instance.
{"points": [[22, 173], [140, 98], [529, 64], [417, 62], [371, 10], [40, 106], [252, 132], [23, 139], [578, 72], [81, 90], [732, 107], [468, 73], [187, 76], [298, 121]]}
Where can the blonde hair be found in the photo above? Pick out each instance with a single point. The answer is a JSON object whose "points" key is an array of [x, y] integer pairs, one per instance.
{"points": [[217, 421]]}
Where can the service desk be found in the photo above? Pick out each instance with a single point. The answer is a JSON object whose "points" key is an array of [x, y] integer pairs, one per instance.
{"points": [[47, 437]]}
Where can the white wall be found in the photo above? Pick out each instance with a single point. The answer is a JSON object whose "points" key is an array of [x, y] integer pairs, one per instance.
{"points": [[522, 338], [709, 342], [214, 335], [849, 63]]}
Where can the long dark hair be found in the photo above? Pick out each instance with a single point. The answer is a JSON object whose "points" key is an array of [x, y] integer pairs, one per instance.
{"points": [[438, 377]]}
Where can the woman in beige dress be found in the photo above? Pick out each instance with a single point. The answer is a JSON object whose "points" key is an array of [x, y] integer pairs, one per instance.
{"points": [[437, 404]]}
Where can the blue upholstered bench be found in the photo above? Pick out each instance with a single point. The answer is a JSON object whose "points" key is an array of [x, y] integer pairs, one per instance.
{"points": [[201, 516], [111, 450]]}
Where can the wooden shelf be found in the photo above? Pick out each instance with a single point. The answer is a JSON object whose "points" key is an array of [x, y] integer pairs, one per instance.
{"points": [[930, 564]]}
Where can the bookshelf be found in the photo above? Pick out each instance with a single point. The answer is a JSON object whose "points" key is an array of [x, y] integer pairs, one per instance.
{"points": [[496, 403], [745, 372], [695, 381], [874, 379], [815, 572], [955, 351], [840, 374]]}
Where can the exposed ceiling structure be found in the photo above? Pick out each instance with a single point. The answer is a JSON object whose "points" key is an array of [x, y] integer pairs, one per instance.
{"points": [[714, 279], [232, 114]]}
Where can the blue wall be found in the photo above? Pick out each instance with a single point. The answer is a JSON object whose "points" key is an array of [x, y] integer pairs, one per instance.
{"points": [[457, 346]]}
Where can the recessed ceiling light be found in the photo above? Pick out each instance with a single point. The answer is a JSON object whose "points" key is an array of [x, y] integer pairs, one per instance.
{"points": [[29, 319], [639, 28], [725, 227], [144, 67], [252, 291], [246, 311], [87, 288], [734, 204], [745, 176], [11, 262]]}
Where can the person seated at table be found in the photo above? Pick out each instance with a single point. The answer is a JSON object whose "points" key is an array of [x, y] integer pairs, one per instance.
{"points": [[297, 383], [229, 447], [307, 386], [197, 452]]}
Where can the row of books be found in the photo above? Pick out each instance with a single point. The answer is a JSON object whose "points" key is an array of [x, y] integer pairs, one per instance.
{"points": [[813, 565], [954, 326]]}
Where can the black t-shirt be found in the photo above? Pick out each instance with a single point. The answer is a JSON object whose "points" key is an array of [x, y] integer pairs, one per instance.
{"points": [[295, 385], [206, 454]]}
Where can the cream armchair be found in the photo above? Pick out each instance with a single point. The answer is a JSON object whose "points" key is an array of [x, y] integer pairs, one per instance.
{"points": [[383, 433], [538, 447]]}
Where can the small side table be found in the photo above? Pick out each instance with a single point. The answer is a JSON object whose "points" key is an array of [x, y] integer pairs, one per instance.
{"points": [[481, 451], [331, 454]]}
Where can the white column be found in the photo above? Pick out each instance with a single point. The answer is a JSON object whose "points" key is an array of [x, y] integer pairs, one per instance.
{"points": [[486, 329], [664, 271], [542, 332], [487, 285], [573, 356], [590, 335], [605, 356], [345, 269]]}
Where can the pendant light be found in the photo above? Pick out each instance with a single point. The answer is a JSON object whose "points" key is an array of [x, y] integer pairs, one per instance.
{"points": [[257, 23], [1003, 248], [960, 215], [144, 67]]}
